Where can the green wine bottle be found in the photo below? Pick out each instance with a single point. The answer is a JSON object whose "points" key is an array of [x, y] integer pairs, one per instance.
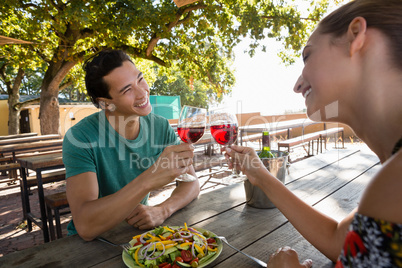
{"points": [[266, 146]]}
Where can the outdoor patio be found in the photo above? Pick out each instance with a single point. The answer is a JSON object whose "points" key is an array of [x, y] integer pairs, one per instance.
{"points": [[13, 234]]}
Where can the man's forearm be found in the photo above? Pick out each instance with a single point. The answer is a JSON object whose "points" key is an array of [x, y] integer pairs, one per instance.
{"points": [[92, 216], [184, 193]]}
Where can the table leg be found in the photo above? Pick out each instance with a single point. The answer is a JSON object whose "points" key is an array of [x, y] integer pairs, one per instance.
{"points": [[26, 207], [42, 206]]}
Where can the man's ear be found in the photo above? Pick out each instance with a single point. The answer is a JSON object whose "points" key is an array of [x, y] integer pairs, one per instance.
{"points": [[356, 34], [102, 103]]}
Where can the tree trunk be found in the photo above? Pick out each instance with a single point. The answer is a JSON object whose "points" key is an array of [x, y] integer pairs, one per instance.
{"points": [[13, 115], [49, 105], [49, 112], [13, 99]]}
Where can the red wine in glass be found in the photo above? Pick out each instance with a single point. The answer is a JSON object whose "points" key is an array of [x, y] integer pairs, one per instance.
{"points": [[190, 134], [224, 134], [190, 128], [223, 126]]}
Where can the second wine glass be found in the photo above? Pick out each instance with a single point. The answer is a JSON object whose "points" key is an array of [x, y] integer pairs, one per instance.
{"points": [[224, 129], [191, 128]]}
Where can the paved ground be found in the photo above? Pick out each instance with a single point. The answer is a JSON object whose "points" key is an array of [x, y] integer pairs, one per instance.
{"points": [[13, 234]]}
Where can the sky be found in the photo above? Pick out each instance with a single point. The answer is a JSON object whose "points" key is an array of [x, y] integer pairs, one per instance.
{"points": [[263, 83]]}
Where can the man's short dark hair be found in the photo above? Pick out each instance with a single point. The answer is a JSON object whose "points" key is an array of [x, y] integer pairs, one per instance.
{"points": [[99, 66]]}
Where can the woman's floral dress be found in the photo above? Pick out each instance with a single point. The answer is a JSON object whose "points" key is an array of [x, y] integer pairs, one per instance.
{"points": [[372, 243]]}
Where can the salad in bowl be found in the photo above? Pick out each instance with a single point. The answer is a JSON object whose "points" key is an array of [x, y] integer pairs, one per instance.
{"points": [[173, 247]]}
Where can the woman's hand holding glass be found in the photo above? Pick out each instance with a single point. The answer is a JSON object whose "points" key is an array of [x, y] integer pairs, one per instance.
{"points": [[247, 160], [224, 129]]}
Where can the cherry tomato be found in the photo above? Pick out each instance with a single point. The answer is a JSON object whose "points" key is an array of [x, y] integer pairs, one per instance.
{"points": [[166, 266], [175, 266], [194, 260], [178, 258], [163, 264], [211, 241], [186, 255], [138, 243]]}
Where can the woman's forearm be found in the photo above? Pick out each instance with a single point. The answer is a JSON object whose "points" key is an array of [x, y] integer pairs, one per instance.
{"points": [[326, 234]]}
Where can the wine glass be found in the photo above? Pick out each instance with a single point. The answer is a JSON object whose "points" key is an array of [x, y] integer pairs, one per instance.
{"points": [[224, 129], [191, 127]]}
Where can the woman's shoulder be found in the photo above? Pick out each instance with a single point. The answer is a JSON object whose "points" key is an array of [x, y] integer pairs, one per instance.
{"points": [[382, 198]]}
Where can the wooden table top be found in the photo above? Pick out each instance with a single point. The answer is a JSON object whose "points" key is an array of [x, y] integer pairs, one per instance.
{"points": [[29, 139], [332, 182], [30, 145], [41, 161], [16, 136]]}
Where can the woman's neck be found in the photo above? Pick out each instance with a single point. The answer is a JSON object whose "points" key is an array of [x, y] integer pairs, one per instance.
{"points": [[376, 117]]}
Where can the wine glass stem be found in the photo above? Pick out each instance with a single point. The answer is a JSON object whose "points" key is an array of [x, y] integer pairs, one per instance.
{"points": [[234, 171]]}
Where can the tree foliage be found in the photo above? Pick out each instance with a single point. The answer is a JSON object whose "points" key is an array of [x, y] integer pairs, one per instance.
{"points": [[195, 41], [194, 94]]}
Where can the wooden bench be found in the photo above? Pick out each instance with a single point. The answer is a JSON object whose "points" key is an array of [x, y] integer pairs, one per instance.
{"points": [[54, 203], [49, 177], [258, 136], [319, 136], [325, 133], [11, 168], [30, 139], [301, 141], [53, 176], [17, 136]]}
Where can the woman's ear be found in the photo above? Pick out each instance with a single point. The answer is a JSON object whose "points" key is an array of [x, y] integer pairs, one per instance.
{"points": [[356, 34]]}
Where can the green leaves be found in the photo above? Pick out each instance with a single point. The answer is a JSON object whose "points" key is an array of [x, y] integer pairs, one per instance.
{"points": [[196, 39]]}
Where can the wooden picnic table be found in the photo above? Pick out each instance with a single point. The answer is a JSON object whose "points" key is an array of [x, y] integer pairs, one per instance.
{"points": [[274, 126], [332, 182], [9, 151], [30, 146], [17, 136], [39, 164]]}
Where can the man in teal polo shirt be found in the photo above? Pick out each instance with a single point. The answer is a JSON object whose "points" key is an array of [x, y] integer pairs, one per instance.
{"points": [[115, 157]]}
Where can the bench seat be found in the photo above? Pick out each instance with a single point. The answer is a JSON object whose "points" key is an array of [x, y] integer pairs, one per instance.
{"points": [[47, 178], [54, 203], [258, 136], [319, 136], [325, 133]]}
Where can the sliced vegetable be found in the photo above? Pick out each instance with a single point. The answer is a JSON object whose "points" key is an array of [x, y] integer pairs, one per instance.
{"points": [[211, 240], [183, 264], [178, 258], [186, 255], [206, 258], [136, 258]]}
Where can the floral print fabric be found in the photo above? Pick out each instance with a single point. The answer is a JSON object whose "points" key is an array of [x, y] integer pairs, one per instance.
{"points": [[372, 243]]}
